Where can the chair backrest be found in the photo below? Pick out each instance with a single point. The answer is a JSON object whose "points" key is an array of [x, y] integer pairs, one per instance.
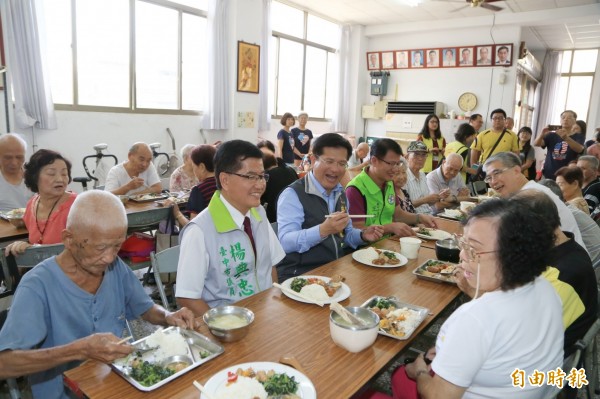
{"points": [[164, 262], [478, 188], [30, 258]]}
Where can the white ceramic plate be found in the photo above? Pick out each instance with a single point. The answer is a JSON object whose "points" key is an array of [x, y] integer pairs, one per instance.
{"points": [[306, 389], [434, 234], [341, 294], [365, 257]]}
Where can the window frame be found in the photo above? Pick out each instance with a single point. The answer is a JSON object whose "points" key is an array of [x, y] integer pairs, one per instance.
{"points": [[132, 108], [570, 74], [275, 114]]}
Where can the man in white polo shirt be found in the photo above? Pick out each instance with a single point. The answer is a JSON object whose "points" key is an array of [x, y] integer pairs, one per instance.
{"points": [[12, 185], [137, 175]]}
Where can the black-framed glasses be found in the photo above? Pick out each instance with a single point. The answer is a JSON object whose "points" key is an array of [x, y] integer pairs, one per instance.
{"points": [[331, 162], [491, 176], [392, 164], [252, 178], [469, 251]]}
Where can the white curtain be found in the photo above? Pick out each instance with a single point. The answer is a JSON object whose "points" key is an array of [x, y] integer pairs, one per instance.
{"points": [[342, 111], [216, 116], [264, 114], [24, 39], [548, 89]]}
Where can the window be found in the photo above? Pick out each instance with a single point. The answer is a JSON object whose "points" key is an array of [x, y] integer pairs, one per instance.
{"points": [[110, 55], [302, 71], [575, 84]]}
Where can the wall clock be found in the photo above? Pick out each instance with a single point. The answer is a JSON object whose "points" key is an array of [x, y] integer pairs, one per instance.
{"points": [[467, 101]]}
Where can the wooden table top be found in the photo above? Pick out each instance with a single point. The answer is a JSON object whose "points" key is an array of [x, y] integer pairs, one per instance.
{"points": [[8, 232], [284, 326]]}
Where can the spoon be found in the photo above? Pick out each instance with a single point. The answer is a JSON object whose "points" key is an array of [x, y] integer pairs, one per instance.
{"points": [[346, 315], [202, 389], [292, 361]]}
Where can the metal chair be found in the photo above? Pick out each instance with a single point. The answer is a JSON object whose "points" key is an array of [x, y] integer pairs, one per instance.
{"points": [[28, 259], [164, 262], [586, 356]]}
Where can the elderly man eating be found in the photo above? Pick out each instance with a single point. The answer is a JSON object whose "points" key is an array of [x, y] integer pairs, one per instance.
{"points": [[73, 307], [503, 174], [12, 184], [447, 178], [137, 175]]}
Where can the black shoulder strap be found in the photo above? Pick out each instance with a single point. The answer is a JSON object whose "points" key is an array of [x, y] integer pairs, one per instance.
{"points": [[497, 142]]}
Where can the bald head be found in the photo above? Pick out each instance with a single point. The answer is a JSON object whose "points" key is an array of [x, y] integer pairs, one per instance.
{"points": [[12, 155], [362, 150], [90, 210], [138, 147]]}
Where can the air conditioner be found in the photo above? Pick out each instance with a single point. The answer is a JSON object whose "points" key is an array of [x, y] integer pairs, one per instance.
{"points": [[409, 117]]}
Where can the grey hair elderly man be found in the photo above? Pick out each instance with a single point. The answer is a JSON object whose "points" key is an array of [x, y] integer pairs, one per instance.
{"points": [[73, 307], [591, 183], [503, 174], [137, 175], [447, 178], [12, 185]]}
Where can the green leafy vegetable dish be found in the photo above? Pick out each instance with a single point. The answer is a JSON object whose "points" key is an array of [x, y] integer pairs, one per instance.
{"points": [[148, 374], [380, 303], [423, 231], [298, 283], [280, 384]]}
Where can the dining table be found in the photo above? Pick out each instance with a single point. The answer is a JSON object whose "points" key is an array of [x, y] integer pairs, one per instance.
{"points": [[140, 216], [285, 326]]}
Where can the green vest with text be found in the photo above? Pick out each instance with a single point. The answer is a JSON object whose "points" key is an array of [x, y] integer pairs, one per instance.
{"points": [[382, 205]]}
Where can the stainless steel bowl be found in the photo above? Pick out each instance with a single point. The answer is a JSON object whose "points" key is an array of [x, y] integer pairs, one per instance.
{"points": [[231, 334], [447, 250], [177, 363], [16, 221]]}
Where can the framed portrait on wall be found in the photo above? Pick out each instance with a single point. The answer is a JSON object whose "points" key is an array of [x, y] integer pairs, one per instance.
{"points": [[448, 57], [248, 67], [373, 61], [466, 55], [387, 60], [416, 59], [401, 59], [432, 60], [503, 54], [484, 55]]}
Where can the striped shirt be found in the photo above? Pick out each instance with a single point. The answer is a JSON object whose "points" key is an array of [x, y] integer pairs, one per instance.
{"points": [[417, 189]]}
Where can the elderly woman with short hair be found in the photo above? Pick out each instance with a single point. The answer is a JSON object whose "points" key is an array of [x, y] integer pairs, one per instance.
{"points": [[511, 329], [183, 178], [47, 174], [570, 181]]}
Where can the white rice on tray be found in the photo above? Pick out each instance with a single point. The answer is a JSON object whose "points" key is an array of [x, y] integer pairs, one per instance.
{"points": [[411, 319], [243, 388], [169, 344]]}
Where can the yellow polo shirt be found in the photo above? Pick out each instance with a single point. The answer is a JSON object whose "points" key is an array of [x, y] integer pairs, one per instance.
{"points": [[486, 140]]}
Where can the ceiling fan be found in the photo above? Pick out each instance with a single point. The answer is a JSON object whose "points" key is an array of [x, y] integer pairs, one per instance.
{"points": [[483, 4]]}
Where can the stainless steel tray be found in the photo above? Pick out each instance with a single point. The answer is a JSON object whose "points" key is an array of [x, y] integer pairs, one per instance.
{"points": [[422, 273], [419, 312], [196, 343], [148, 197]]}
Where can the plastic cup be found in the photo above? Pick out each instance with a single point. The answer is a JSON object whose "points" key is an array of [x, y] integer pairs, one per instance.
{"points": [[409, 247]]}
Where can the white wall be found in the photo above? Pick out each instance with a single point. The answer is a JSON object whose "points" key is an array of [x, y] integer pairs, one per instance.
{"points": [[444, 84]]}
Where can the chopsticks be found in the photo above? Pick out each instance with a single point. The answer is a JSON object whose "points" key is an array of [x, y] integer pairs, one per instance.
{"points": [[299, 295], [202, 389], [353, 216], [125, 340]]}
